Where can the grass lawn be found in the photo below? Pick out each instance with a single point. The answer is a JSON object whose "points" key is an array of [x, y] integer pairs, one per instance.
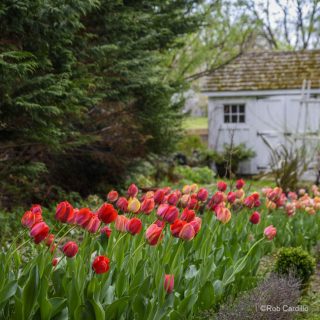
{"points": [[195, 123]]}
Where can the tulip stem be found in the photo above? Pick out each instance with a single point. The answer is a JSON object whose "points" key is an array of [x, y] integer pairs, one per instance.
{"points": [[244, 259], [21, 245], [16, 238], [136, 251], [118, 240]]}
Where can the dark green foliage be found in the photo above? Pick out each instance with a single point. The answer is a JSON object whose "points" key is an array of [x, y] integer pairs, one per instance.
{"points": [[296, 261], [227, 162], [84, 90]]}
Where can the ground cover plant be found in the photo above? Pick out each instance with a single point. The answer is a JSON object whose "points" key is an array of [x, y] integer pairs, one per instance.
{"points": [[161, 254]]}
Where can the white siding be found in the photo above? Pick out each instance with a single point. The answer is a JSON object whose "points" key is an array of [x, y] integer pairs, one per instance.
{"points": [[274, 118]]}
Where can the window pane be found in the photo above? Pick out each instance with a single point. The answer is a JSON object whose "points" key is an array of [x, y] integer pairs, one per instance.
{"points": [[234, 118], [234, 108], [226, 119], [241, 118], [226, 108], [241, 108]]}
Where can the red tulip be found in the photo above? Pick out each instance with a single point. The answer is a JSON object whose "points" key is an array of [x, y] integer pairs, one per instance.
{"points": [[196, 223], [170, 214], [193, 202], [187, 215], [187, 232], [154, 234], [249, 201], [168, 283], [147, 205], [101, 264], [122, 204], [112, 196], [222, 186], [106, 231], [120, 223], [231, 197], [240, 184], [70, 249], [160, 223], [133, 191], [270, 232], [159, 196], [39, 232], [255, 218], [218, 197], [49, 239], [65, 212], [94, 224], [36, 209], [107, 213], [176, 227], [29, 219], [55, 261], [173, 199], [83, 217], [134, 226], [202, 194]]}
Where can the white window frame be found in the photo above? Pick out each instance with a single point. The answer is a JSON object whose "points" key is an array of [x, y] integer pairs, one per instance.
{"points": [[233, 112]]}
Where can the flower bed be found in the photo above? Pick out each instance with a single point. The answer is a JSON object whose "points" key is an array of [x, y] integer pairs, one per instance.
{"points": [[166, 254]]}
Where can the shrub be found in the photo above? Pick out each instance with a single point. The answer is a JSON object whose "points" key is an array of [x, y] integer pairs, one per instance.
{"points": [[227, 162], [276, 290], [189, 175], [295, 260]]}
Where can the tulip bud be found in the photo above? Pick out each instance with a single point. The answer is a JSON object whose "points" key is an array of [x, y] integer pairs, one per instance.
{"points": [[112, 196], [134, 226], [120, 223], [29, 219], [70, 249], [187, 232], [194, 188], [106, 231], [168, 283], [49, 240], [36, 209], [223, 215], [187, 215], [55, 261], [122, 204], [160, 223], [231, 197], [101, 264], [94, 224], [133, 191], [202, 194], [133, 205], [255, 218], [83, 217], [39, 232], [240, 184], [159, 196], [186, 189], [154, 234], [147, 205], [173, 199], [270, 232], [196, 224], [222, 186], [176, 227], [107, 213], [185, 200], [65, 212]]}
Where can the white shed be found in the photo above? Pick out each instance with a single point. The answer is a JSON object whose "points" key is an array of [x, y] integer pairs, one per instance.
{"points": [[264, 97]]}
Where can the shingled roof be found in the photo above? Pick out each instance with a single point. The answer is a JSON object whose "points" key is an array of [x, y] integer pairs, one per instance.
{"points": [[269, 70]]}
